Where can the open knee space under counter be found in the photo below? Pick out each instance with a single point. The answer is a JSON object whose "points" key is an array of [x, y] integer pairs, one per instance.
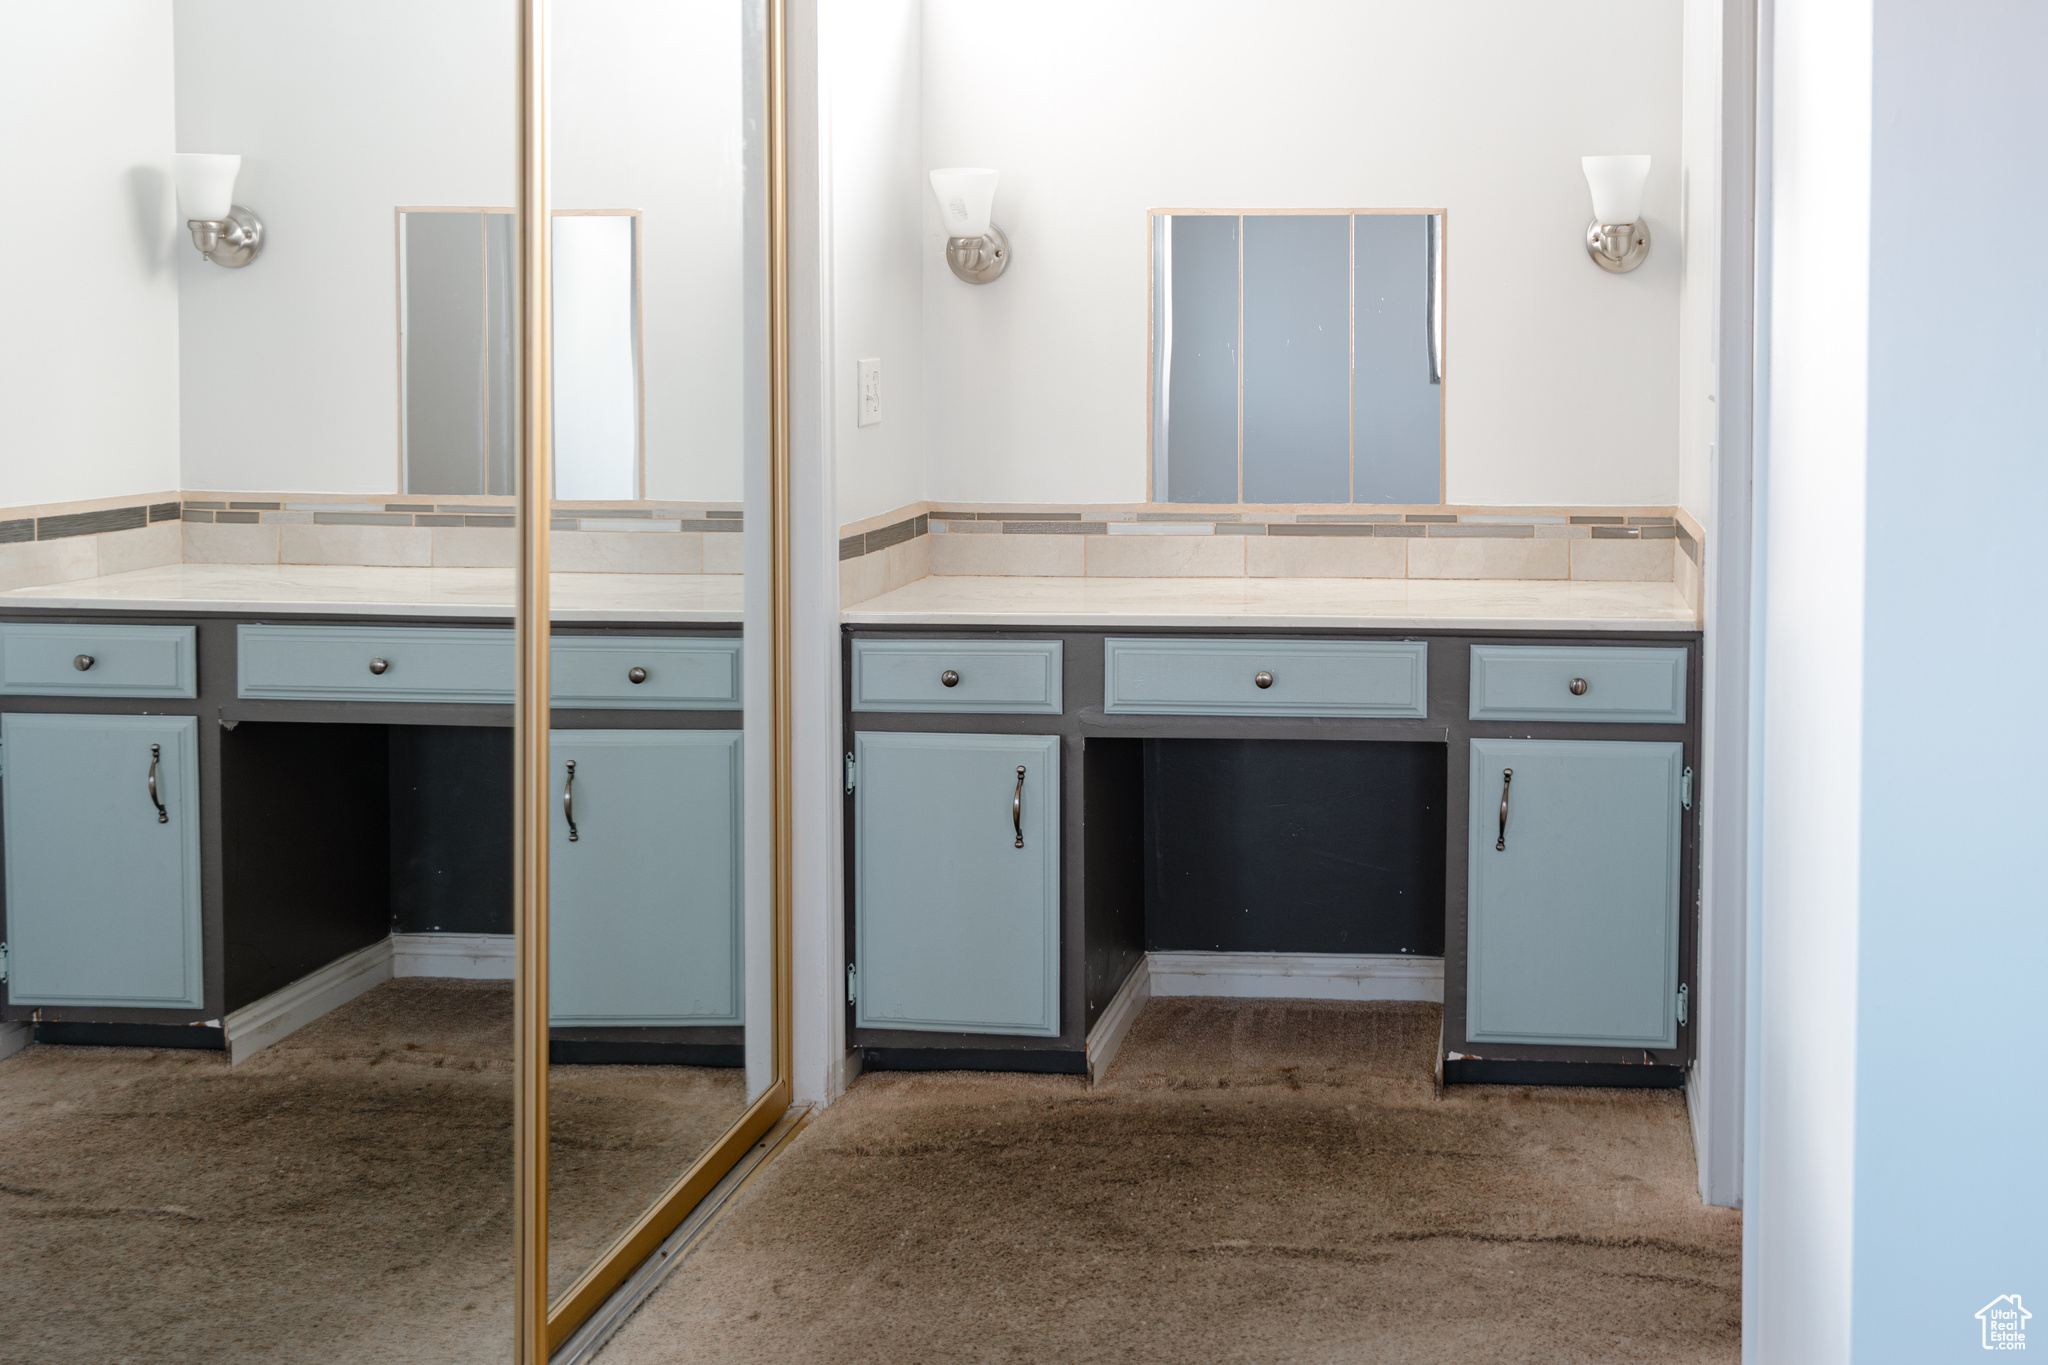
{"points": [[1306, 813]]}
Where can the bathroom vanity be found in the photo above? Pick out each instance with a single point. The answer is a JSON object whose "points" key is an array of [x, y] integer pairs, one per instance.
{"points": [[216, 788], [1494, 777]]}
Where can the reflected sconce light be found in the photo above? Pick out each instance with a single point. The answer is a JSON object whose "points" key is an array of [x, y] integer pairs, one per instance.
{"points": [[225, 232], [1617, 239], [975, 247]]}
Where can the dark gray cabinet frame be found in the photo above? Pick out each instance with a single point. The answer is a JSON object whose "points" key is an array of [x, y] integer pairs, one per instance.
{"points": [[219, 708], [1447, 723]]}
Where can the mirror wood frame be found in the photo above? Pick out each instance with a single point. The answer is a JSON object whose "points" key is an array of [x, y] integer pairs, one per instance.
{"points": [[540, 1327]]}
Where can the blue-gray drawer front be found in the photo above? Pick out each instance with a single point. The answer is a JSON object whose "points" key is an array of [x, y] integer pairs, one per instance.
{"points": [[991, 677], [452, 664], [334, 663], [679, 673], [1362, 678], [123, 661], [1620, 685]]}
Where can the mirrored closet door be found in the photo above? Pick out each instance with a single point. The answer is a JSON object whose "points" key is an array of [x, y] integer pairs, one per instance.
{"points": [[660, 1030]]}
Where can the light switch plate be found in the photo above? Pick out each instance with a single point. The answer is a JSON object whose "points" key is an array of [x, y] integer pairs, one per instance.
{"points": [[870, 393]]}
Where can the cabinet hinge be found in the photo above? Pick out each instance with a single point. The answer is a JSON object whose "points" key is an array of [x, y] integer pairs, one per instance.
{"points": [[3, 962], [1684, 1003], [1685, 789], [849, 774], [852, 983]]}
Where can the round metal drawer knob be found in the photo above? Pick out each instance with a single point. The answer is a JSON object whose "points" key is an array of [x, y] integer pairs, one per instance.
{"points": [[82, 662], [1263, 679], [950, 678], [636, 675], [1578, 687], [379, 665]]}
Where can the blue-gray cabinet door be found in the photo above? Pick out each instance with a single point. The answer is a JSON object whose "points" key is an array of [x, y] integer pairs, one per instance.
{"points": [[957, 882], [645, 878], [102, 831], [1572, 926]]}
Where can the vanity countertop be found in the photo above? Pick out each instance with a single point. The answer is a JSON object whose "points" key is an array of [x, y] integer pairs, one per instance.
{"points": [[350, 590], [1368, 603]]}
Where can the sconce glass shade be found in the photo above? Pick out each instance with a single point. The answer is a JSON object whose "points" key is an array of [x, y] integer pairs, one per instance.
{"points": [[1617, 185], [206, 185], [965, 195]]}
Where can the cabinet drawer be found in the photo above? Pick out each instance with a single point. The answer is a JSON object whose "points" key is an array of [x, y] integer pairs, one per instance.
{"points": [[1372, 678], [990, 677], [336, 663], [119, 661], [1578, 683], [676, 673]]}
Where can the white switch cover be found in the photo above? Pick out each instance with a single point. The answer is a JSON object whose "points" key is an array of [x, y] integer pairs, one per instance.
{"points": [[870, 393]]}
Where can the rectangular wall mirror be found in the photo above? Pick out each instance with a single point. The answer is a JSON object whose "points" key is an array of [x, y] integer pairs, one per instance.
{"points": [[1297, 357], [457, 311]]}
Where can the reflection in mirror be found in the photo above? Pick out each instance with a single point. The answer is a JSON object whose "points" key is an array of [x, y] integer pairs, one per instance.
{"points": [[456, 327], [657, 298], [597, 355], [267, 1112]]}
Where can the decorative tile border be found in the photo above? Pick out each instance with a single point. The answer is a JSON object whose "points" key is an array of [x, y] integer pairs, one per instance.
{"points": [[881, 538], [659, 517], [15, 530], [65, 542]]}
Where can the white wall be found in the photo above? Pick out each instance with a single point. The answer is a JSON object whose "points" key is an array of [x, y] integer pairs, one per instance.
{"points": [[1952, 943], [1700, 270], [1562, 378], [89, 349], [342, 112], [1801, 1168], [646, 110], [870, 51]]}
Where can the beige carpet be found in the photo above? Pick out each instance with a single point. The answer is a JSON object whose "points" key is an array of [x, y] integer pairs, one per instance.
{"points": [[343, 1196], [1256, 1181]]}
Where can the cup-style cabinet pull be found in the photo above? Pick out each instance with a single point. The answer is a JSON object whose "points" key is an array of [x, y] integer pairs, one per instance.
{"points": [[1262, 679], [1578, 687], [82, 662], [378, 666], [1017, 806], [636, 675], [949, 678], [569, 801], [156, 755], [1507, 775]]}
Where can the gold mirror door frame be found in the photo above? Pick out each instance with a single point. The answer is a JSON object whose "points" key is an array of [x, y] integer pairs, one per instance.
{"points": [[540, 1327]]}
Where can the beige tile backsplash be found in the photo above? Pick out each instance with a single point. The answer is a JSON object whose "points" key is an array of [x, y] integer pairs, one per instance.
{"points": [[55, 543]]}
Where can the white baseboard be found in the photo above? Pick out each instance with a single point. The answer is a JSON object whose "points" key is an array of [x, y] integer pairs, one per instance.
{"points": [[13, 1038], [255, 1026], [284, 1012], [1117, 1017], [1299, 976], [846, 1072], [468, 957]]}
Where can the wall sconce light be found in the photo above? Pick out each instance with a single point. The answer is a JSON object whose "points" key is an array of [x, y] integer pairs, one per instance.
{"points": [[225, 232], [975, 247], [1616, 239]]}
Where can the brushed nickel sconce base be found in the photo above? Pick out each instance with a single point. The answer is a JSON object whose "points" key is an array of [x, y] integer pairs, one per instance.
{"points": [[1618, 247], [978, 260], [233, 241]]}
